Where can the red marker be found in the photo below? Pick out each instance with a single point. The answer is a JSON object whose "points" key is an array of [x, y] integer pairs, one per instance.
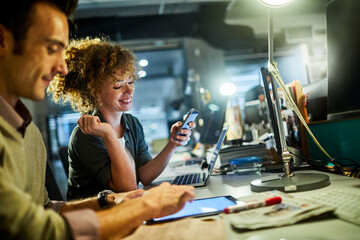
{"points": [[250, 205]]}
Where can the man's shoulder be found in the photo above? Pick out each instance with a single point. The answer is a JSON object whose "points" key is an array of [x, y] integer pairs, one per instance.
{"points": [[7, 130], [4, 125]]}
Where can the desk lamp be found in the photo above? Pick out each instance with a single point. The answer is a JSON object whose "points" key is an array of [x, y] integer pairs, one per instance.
{"points": [[286, 182]]}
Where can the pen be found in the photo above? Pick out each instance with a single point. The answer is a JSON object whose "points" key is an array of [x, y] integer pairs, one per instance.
{"points": [[250, 205]]}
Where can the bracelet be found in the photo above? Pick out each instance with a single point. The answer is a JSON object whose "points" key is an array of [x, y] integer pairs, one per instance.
{"points": [[102, 198]]}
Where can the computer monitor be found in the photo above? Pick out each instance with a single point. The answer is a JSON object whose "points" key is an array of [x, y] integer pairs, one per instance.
{"points": [[343, 48], [252, 112], [272, 113], [213, 115], [286, 182]]}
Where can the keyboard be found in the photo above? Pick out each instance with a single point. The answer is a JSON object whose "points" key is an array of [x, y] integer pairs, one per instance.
{"points": [[345, 202], [187, 179]]}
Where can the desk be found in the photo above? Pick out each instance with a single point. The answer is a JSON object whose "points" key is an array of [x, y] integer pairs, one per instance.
{"points": [[328, 228]]}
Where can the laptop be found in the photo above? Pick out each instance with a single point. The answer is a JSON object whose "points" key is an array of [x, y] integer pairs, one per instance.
{"points": [[200, 179]]}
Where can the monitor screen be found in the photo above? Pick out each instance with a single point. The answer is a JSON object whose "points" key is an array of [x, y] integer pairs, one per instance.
{"points": [[213, 116]]}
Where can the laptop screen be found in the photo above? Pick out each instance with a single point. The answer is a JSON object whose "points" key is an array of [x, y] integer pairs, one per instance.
{"points": [[217, 148]]}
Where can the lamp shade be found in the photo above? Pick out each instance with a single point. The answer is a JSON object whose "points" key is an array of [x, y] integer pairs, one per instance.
{"points": [[275, 3]]}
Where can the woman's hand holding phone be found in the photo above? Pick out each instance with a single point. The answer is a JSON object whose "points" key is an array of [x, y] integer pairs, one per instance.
{"points": [[186, 126]]}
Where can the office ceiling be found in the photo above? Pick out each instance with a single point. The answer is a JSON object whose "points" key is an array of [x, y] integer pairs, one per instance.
{"points": [[238, 26], [248, 13]]}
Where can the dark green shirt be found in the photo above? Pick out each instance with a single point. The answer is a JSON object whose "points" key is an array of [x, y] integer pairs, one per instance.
{"points": [[89, 161]]}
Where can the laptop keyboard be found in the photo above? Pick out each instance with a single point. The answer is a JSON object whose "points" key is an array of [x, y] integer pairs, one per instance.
{"points": [[187, 179]]}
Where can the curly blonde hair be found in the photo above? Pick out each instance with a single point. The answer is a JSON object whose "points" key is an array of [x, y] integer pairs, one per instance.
{"points": [[90, 62]]}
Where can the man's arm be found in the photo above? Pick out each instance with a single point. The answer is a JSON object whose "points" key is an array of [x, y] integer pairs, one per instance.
{"points": [[160, 201], [22, 218], [93, 203], [136, 207]]}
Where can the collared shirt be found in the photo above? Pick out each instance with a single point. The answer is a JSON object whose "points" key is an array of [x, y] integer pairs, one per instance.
{"points": [[89, 161], [81, 224], [19, 117]]}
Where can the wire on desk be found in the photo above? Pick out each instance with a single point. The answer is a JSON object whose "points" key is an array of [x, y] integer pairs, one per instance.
{"points": [[339, 164], [354, 170], [353, 164], [317, 160]]}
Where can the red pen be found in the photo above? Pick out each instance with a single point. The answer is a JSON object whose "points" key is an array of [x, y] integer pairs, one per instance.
{"points": [[250, 205]]}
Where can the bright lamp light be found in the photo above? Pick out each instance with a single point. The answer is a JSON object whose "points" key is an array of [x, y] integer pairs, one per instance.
{"points": [[227, 89], [275, 3]]}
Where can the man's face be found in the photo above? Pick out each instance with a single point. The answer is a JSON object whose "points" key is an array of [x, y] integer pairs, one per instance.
{"points": [[29, 73]]}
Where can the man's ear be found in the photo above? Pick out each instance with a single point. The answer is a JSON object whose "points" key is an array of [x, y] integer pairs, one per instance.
{"points": [[2, 36], [4, 39]]}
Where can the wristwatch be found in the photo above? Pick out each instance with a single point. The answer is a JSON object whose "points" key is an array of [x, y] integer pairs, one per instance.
{"points": [[102, 198]]}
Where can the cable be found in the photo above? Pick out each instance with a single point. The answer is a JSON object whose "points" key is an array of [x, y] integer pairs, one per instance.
{"points": [[347, 159], [354, 163], [316, 160], [305, 158], [354, 170]]}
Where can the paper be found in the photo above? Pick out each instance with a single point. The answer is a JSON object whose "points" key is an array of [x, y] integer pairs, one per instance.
{"points": [[188, 228], [290, 211]]}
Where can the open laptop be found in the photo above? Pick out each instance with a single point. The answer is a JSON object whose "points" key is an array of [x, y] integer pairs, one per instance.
{"points": [[199, 179]]}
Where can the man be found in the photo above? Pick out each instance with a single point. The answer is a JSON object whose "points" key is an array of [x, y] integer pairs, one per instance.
{"points": [[33, 37]]}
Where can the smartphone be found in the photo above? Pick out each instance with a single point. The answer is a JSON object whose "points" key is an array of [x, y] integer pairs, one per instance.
{"points": [[199, 208], [190, 117]]}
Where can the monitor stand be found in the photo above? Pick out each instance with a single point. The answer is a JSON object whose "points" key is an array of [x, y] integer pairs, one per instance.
{"points": [[297, 182]]}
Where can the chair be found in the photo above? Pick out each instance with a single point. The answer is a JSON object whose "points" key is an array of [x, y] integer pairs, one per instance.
{"points": [[62, 151], [51, 185]]}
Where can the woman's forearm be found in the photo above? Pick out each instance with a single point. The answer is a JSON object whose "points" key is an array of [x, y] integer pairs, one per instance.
{"points": [[123, 177], [156, 166]]}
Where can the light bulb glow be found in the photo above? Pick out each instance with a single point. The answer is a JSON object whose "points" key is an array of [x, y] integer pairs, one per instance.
{"points": [[142, 73], [275, 3], [143, 62], [227, 89]]}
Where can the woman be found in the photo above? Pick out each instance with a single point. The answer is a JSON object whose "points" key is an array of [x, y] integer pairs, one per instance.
{"points": [[107, 149]]}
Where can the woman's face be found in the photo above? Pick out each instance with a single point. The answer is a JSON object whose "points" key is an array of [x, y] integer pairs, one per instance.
{"points": [[117, 94]]}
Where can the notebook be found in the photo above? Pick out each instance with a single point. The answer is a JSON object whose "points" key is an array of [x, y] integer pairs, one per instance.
{"points": [[199, 179]]}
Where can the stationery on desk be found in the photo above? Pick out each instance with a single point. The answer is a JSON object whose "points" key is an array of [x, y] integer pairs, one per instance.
{"points": [[251, 205], [291, 210]]}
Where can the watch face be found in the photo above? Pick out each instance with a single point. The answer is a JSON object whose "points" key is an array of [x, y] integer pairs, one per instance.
{"points": [[102, 198]]}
